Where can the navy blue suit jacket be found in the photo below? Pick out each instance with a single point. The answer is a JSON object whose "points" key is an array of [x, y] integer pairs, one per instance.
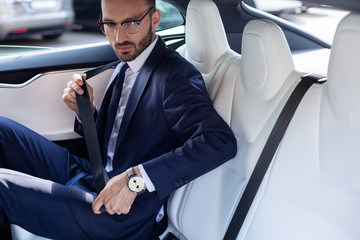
{"points": [[170, 126]]}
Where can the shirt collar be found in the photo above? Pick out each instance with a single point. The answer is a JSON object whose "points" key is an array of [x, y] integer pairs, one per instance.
{"points": [[139, 61]]}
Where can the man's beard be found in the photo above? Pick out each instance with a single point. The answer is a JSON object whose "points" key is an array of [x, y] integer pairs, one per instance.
{"points": [[143, 44]]}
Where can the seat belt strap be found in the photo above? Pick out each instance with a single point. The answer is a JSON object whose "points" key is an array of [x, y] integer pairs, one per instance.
{"points": [[89, 129], [268, 153]]}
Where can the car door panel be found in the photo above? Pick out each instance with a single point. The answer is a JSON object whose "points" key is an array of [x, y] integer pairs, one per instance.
{"points": [[38, 104]]}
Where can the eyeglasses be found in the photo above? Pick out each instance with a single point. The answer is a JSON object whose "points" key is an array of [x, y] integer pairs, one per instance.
{"points": [[132, 27]]}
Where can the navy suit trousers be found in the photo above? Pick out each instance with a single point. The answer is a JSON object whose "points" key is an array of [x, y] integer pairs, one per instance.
{"points": [[35, 193]]}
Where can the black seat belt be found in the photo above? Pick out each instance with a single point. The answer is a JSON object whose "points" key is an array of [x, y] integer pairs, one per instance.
{"points": [[268, 153], [90, 134]]}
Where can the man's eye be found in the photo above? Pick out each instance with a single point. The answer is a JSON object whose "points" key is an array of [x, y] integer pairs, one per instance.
{"points": [[131, 24], [110, 24]]}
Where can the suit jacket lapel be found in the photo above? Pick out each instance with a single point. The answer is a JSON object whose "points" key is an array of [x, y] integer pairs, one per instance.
{"points": [[139, 86]]}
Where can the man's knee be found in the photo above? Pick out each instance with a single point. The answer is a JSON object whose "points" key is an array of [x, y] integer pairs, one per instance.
{"points": [[10, 130], [10, 133], [5, 131], [6, 124], [5, 121]]}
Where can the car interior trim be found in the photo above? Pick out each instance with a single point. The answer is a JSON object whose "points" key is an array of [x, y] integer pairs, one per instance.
{"points": [[21, 85]]}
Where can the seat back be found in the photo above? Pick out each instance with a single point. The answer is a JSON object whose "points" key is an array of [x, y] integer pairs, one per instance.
{"points": [[206, 45], [249, 97], [312, 189]]}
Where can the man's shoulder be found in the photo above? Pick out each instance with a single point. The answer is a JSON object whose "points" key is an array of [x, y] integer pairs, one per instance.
{"points": [[170, 63], [169, 55], [174, 59], [162, 55]]}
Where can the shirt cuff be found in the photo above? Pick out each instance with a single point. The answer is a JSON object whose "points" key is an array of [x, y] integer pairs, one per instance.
{"points": [[149, 185], [78, 118]]}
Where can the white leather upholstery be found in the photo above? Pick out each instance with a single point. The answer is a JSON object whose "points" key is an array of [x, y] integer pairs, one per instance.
{"points": [[263, 76], [206, 45], [312, 189], [266, 65], [344, 71], [251, 111], [205, 37], [53, 120]]}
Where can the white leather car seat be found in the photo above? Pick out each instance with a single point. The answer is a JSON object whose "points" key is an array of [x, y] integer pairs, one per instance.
{"points": [[250, 97], [312, 189], [206, 45]]}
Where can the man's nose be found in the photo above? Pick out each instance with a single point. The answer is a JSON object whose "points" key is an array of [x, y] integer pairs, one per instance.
{"points": [[120, 33]]}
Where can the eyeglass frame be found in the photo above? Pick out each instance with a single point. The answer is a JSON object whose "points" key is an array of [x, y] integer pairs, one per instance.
{"points": [[137, 22]]}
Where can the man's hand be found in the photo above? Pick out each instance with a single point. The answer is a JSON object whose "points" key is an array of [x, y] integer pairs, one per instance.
{"points": [[116, 196], [74, 86]]}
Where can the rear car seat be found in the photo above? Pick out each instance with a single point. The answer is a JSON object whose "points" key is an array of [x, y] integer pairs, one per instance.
{"points": [[312, 189], [249, 97], [206, 45]]}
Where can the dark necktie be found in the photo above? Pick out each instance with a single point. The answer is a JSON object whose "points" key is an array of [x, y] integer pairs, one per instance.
{"points": [[116, 88]]}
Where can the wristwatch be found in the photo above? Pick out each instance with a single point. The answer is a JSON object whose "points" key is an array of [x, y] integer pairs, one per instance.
{"points": [[136, 183]]}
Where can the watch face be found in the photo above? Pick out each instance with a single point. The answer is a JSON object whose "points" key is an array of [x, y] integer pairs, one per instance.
{"points": [[136, 184]]}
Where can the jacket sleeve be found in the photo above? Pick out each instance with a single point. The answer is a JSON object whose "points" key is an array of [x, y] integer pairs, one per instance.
{"points": [[207, 140]]}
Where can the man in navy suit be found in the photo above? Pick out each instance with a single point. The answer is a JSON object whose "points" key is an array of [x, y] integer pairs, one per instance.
{"points": [[165, 134]]}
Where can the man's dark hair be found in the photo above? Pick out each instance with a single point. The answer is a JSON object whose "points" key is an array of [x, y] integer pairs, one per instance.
{"points": [[152, 3]]}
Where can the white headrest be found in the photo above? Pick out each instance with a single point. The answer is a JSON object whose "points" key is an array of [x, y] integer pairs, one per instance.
{"points": [[267, 60], [205, 34], [344, 71]]}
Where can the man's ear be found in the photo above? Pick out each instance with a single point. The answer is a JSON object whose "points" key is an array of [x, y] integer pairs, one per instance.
{"points": [[156, 16]]}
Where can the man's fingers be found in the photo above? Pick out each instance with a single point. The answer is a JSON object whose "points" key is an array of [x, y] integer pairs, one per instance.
{"points": [[76, 84], [114, 205], [69, 95], [97, 204], [73, 87], [116, 196]]}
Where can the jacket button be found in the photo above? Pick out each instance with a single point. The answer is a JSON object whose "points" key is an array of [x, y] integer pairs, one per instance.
{"points": [[176, 184], [186, 180]]}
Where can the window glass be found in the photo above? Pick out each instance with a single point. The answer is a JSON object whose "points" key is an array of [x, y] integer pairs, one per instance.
{"points": [[170, 16], [309, 16], [74, 23]]}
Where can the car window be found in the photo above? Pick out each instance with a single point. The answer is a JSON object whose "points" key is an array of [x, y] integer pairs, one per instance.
{"points": [[69, 23], [311, 17], [170, 16]]}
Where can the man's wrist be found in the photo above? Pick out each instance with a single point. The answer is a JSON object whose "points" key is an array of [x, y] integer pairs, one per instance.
{"points": [[137, 170]]}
